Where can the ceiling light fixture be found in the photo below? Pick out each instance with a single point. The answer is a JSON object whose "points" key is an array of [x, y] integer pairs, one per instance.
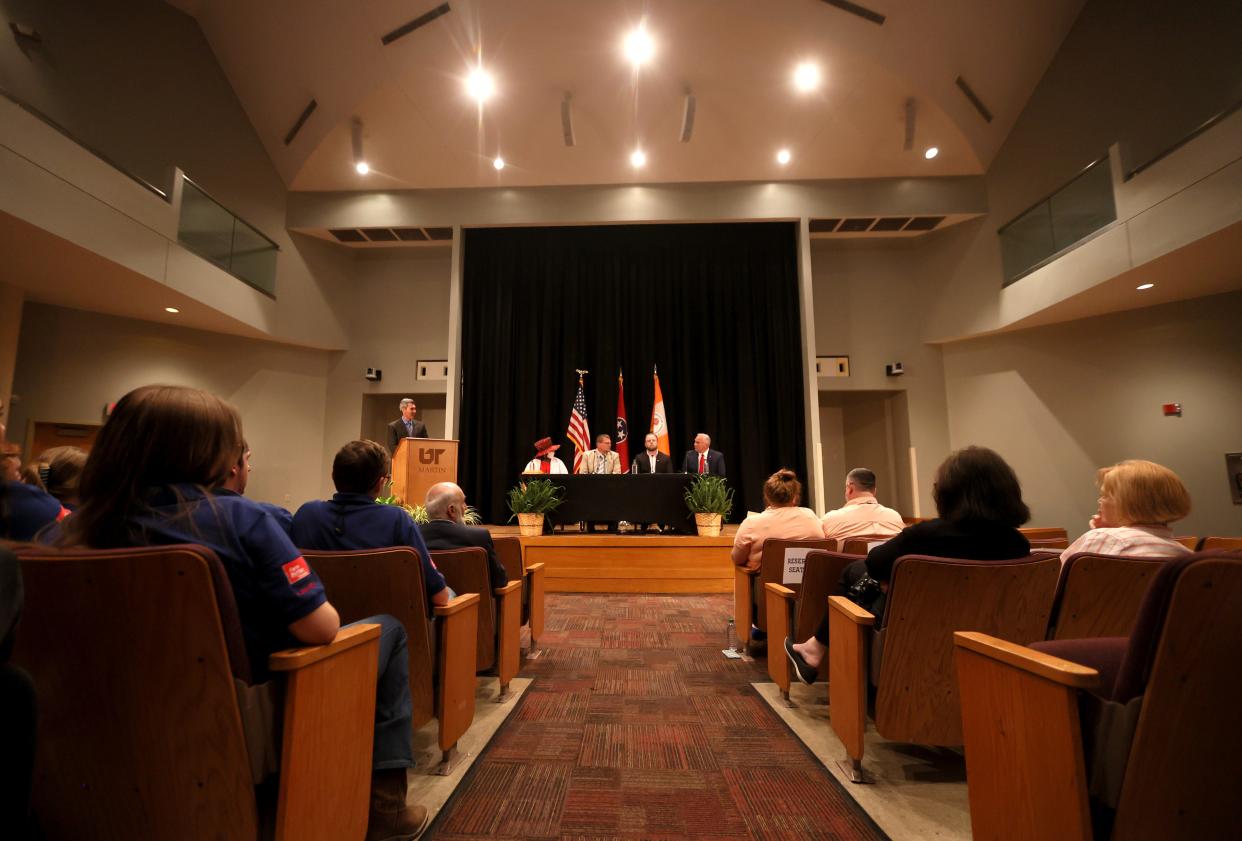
{"points": [[355, 138], [1143, 286], [173, 310], [638, 46], [638, 159], [932, 151], [806, 77], [782, 157], [499, 163], [362, 167], [480, 85]]}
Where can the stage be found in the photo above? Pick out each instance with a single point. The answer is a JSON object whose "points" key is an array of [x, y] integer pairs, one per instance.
{"points": [[630, 563]]}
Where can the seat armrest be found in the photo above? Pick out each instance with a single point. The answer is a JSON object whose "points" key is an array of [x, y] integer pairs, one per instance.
{"points": [[531, 568], [457, 635], [508, 588], [780, 591], [299, 658], [1055, 669], [850, 611], [457, 605]]}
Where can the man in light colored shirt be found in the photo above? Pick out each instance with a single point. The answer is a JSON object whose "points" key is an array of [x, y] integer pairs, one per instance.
{"points": [[601, 459], [862, 515]]}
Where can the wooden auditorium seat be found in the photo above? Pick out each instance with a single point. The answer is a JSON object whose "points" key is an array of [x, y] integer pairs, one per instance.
{"points": [[368, 582], [911, 656], [1153, 733], [509, 552], [139, 662], [1046, 538], [499, 641], [1190, 542], [860, 546], [1228, 544], [1100, 595], [749, 604], [795, 613]]}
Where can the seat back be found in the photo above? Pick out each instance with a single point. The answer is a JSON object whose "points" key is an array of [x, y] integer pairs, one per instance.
{"points": [[1181, 775], [369, 582], [509, 553], [465, 570], [772, 567], [859, 546], [819, 581], [1213, 544], [1100, 595], [929, 599], [1046, 538], [139, 734]]}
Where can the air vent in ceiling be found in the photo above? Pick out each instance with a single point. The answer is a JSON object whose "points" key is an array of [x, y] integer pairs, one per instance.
{"points": [[854, 225], [439, 234], [970, 94], [891, 223], [301, 121], [923, 223], [379, 235], [347, 234], [417, 23], [855, 9], [410, 234], [367, 236], [824, 226]]}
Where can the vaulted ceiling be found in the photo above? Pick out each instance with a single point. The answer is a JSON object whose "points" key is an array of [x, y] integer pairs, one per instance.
{"points": [[736, 57]]}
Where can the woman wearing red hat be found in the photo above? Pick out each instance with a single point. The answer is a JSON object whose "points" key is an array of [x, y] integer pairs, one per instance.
{"points": [[544, 461]]}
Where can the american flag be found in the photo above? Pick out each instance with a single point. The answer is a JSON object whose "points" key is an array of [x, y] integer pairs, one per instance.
{"points": [[579, 431]]}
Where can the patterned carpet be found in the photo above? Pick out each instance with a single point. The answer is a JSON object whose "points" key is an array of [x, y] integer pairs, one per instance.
{"points": [[636, 727]]}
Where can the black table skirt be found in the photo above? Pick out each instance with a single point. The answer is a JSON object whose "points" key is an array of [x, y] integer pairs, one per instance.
{"points": [[633, 497]]}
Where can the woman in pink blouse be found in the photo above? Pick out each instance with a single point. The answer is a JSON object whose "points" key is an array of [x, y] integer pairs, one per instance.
{"points": [[1138, 502]]}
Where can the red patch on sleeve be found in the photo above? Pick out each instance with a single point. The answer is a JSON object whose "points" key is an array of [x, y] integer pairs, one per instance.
{"points": [[64, 512], [296, 570]]}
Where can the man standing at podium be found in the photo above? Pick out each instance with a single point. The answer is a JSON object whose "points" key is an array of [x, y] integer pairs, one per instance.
{"points": [[405, 426]]}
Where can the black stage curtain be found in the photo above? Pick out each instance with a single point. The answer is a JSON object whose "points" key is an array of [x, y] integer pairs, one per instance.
{"points": [[715, 306]]}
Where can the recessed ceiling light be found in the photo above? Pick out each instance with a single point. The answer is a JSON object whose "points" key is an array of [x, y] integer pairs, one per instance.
{"points": [[806, 76], [499, 163], [480, 84], [638, 158], [638, 46], [782, 157], [931, 152], [362, 167], [171, 309], [1143, 286]]}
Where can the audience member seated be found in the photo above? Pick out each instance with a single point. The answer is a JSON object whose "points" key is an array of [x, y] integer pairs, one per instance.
{"points": [[60, 473], [783, 519], [235, 485], [24, 509], [146, 483], [352, 519], [1138, 501], [862, 515], [979, 503], [447, 529]]}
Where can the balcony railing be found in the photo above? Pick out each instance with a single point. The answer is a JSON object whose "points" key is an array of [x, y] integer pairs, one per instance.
{"points": [[221, 237], [1072, 214]]}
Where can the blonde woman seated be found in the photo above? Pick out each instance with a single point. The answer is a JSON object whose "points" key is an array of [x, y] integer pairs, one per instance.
{"points": [[1138, 501], [783, 519]]}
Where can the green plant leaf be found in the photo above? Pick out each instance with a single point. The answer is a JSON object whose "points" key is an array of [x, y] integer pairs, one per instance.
{"points": [[709, 494]]}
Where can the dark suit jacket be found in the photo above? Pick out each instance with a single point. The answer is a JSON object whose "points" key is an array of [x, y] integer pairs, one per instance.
{"points": [[715, 462], [642, 464], [445, 534], [396, 431]]}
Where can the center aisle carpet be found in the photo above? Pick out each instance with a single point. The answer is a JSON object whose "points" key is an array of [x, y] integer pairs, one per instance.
{"points": [[636, 727]]}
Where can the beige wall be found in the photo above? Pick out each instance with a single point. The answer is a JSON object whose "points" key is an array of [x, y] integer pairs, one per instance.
{"points": [[71, 364], [10, 328], [1058, 402], [859, 429]]}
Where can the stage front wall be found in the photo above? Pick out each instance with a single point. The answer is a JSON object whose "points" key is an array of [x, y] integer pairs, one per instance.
{"points": [[715, 306]]}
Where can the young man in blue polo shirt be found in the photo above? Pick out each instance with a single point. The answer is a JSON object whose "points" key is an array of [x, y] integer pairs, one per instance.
{"points": [[352, 519]]}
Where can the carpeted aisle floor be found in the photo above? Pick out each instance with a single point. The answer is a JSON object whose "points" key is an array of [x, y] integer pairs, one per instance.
{"points": [[636, 727]]}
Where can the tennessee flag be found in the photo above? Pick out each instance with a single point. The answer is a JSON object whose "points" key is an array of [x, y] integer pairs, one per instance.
{"points": [[658, 424], [623, 426]]}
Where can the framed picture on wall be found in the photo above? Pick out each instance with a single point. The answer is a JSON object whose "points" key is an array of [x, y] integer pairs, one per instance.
{"points": [[1233, 464]]}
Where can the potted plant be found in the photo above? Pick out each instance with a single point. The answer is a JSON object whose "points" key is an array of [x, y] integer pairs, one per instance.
{"points": [[530, 501], [710, 499]]}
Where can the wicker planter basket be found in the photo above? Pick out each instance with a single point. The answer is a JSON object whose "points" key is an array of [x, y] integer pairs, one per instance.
{"points": [[707, 524], [531, 525]]}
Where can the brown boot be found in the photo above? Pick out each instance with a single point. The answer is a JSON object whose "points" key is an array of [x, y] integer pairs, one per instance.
{"points": [[391, 819]]}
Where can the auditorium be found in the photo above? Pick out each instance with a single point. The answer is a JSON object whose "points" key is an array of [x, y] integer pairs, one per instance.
{"points": [[610, 420]]}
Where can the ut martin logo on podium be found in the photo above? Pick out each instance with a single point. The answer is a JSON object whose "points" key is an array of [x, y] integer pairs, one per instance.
{"points": [[431, 455]]}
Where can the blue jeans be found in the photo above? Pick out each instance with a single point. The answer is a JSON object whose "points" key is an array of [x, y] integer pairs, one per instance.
{"points": [[394, 733]]}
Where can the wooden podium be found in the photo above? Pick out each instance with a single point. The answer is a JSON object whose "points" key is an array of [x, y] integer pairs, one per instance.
{"points": [[420, 463]]}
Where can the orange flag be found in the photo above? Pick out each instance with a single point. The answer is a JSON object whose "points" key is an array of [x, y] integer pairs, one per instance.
{"points": [[658, 424]]}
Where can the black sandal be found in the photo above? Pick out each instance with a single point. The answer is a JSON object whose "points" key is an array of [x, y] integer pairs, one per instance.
{"points": [[806, 673]]}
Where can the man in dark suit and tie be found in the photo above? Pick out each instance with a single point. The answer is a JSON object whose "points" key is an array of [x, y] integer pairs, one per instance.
{"points": [[405, 426], [651, 461], [703, 459], [446, 508]]}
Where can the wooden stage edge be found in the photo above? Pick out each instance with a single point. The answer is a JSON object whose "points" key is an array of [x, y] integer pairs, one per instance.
{"points": [[630, 563]]}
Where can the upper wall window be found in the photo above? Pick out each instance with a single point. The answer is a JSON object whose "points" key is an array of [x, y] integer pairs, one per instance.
{"points": [[228, 241], [1058, 223]]}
